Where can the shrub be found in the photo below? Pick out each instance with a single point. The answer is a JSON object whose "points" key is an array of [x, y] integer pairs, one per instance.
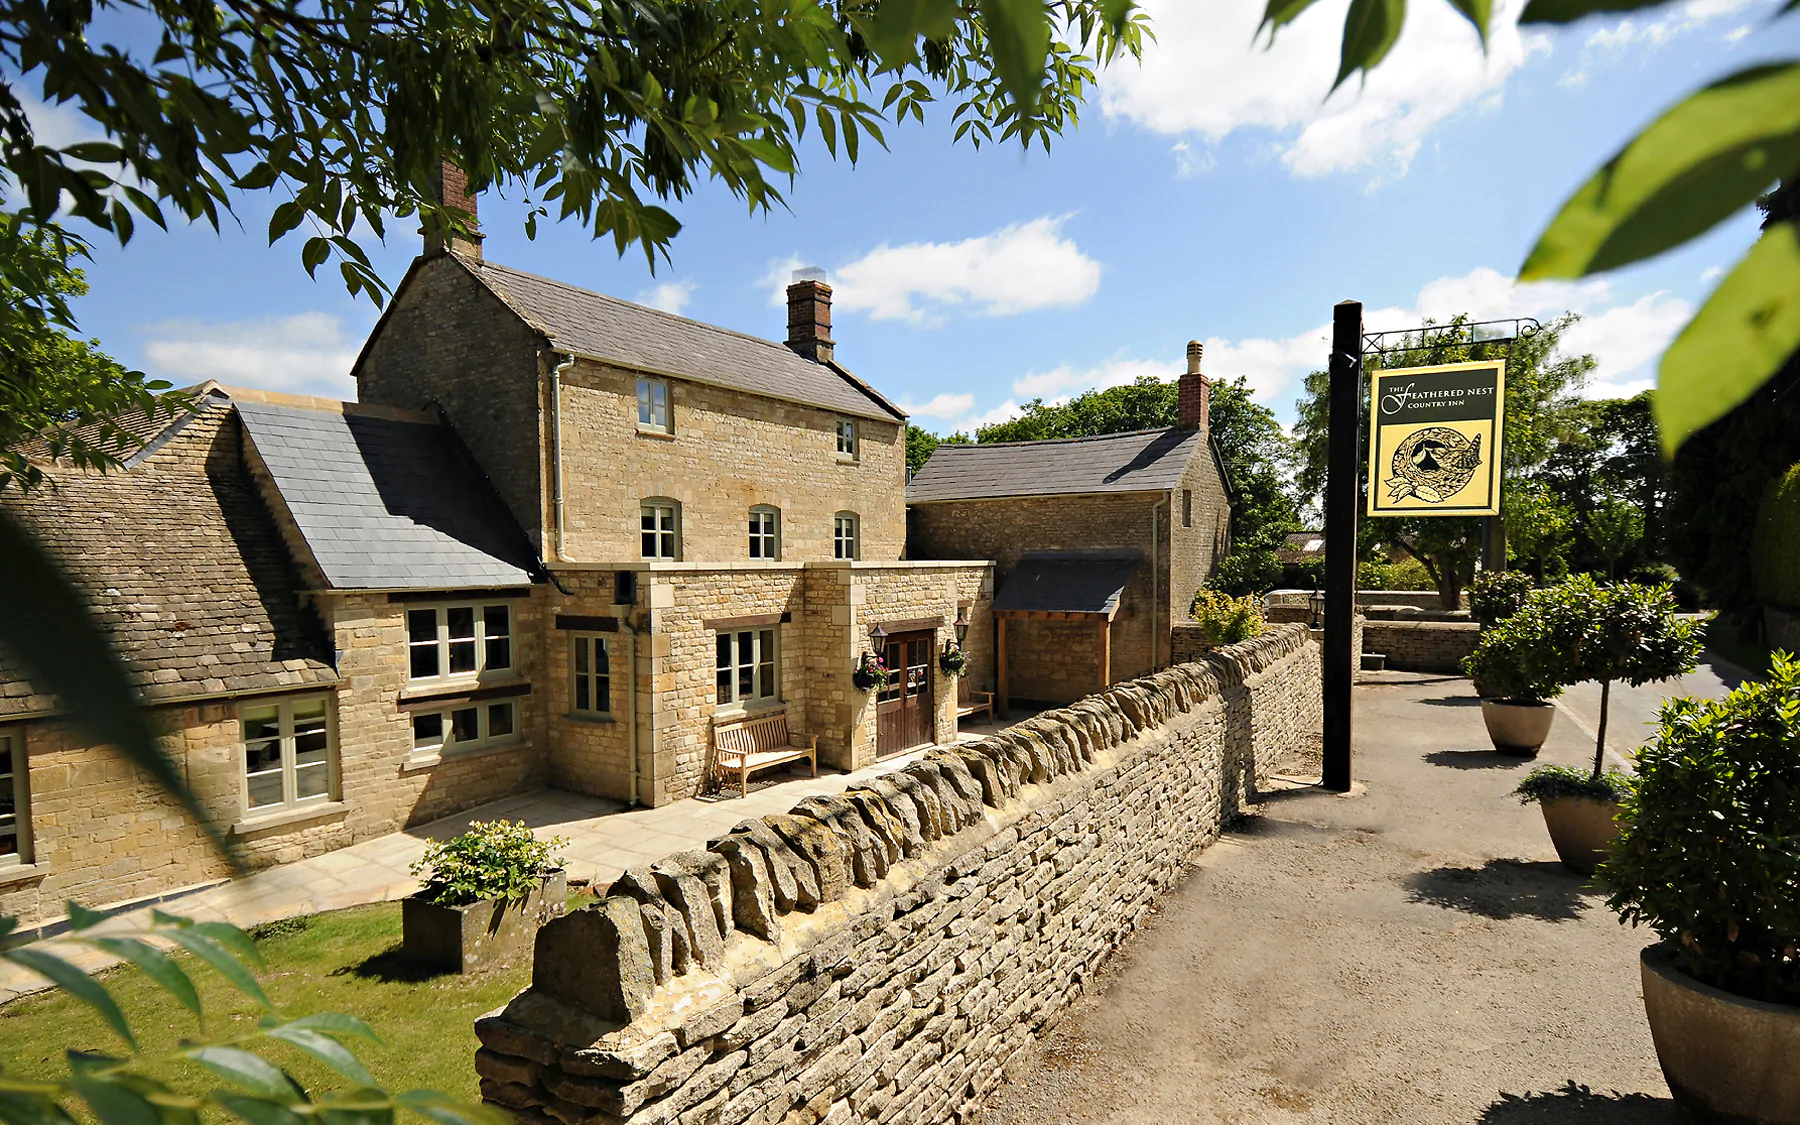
{"points": [[953, 661], [1252, 571], [1518, 661], [1547, 783], [1707, 855], [1226, 620], [1496, 595], [1407, 574], [871, 673], [494, 859], [1775, 544]]}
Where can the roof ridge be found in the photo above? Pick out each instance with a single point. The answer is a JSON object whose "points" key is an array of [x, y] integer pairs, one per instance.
{"points": [[1052, 441], [482, 264], [327, 405]]}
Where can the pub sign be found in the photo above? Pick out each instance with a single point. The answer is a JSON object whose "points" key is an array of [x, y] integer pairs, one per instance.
{"points": [[1434, 441]]}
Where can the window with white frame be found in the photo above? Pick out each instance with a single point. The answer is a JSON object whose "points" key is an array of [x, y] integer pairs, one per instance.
{"points": [[653, 405], [466, 726], [765, 532], [846, 536], [746, 666], [590, 664], [660, 523], [287, 753], [455, 640], [14, 847], [846, 437]]}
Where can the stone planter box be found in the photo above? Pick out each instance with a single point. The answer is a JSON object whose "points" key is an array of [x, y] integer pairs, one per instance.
{"points": [[462, 939], [1727, 1059]]}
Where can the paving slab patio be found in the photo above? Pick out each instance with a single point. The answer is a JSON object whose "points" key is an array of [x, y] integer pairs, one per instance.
{"points": [[604, 837], [1409, 954]]}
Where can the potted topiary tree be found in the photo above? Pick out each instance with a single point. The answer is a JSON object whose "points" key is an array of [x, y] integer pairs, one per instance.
{"points": [[1494, 596], [1623, 631], [485, 894], [1521, 664], [1707, 858]]}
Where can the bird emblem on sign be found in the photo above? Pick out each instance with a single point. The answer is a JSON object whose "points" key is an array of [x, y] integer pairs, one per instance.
{"points": [[1433, 464]]}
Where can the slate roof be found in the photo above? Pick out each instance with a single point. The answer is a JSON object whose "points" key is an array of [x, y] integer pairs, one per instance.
{"points": [[183, 567], [1141, 461], [385, 503], [1067, 582], [1302, 546], [601, 327]]}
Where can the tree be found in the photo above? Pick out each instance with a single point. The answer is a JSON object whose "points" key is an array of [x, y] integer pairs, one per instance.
{"points": [[921, 444], [1615, 528], [1148, 403], [1539, 528], [1607, 455], [1701, 162], [1540, 389]]}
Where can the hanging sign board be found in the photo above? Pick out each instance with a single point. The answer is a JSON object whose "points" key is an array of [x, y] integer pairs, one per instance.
{"points": [[1434, 442]]}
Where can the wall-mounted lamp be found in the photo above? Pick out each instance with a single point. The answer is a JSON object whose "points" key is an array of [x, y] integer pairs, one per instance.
{"points": [[1318, 607], [962, 625], [876, 635]]}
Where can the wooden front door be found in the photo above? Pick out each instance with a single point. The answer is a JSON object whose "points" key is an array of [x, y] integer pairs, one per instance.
{"points": [[904, 711]]}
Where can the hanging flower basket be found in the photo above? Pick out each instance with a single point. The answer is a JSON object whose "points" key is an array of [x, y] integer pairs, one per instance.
{"points": [[871, 673], [953, 661]]}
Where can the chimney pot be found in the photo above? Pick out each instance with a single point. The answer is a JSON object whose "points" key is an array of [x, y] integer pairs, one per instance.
{"points": [[1193, 393], [450, 184], [809, 315]]}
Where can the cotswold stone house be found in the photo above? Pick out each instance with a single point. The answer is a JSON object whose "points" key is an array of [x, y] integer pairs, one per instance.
{"points": [[561, 540], [1100, 542]]}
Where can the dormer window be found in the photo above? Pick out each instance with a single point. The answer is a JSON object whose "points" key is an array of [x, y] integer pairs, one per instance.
{"points": [[653, 406], [846, 439]]}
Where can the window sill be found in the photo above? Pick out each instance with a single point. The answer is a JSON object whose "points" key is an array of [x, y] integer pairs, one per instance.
{"points": [[20, 872], [287, 818], [738, 712], [449, 691], [653, 432], [438, 757], [596, 718], [848, 459]]}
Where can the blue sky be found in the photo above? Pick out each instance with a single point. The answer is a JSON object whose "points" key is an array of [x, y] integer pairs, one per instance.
{"points": [[1210, 193]]}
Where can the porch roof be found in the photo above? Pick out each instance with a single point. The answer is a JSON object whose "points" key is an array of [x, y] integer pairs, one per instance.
{"points": [[1066, 584]]}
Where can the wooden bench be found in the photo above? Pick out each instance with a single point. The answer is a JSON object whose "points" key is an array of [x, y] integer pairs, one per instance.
{"points": [[971, 702], [745, 746]]}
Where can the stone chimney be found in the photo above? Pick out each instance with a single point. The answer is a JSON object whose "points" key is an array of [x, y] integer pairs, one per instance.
{"points": [[1193, 393], [451, 185], [809, 315]]}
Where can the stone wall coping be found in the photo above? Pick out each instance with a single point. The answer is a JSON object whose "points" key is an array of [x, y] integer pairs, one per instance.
{"points": [[754, 566]]}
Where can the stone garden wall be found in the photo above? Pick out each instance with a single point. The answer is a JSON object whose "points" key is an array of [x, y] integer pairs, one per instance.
{"points": [[880, 955], [1422, 646]]}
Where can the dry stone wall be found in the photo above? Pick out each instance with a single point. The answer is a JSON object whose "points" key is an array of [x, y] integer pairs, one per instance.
{"points": [[880, 955], [1423, 646]]}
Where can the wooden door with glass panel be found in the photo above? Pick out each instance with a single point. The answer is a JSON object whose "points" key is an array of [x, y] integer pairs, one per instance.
{"points": [[904, 708]]}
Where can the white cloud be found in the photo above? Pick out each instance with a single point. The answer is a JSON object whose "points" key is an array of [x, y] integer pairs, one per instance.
{"points": [[1065, 381], [1711, 274], [1608, 45], [669, 296], [1018, 268], [1006, 411], [306, 353], [1207, 77], [942, 406]]}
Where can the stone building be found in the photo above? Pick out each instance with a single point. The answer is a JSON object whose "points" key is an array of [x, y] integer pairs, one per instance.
{"points": [[559, 540], [1099, 543]]}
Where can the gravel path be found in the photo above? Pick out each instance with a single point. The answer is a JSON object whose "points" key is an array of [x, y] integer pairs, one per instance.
{"points": [[1409, 954]]}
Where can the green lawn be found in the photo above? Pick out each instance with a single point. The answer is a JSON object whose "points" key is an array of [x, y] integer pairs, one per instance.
{"points": [[346, 961]]}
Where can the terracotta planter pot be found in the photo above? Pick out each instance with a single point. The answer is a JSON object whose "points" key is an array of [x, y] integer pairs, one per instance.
{"points": [[1517, 728], [1726, 1059], [1582, 830], [482, 934]]}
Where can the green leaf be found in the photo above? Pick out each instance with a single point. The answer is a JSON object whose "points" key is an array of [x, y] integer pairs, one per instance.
{"points": [[1280, 13], [336, 1023], [222, 963], [360, 1107], [157, 965], [1742, 335], [45, 626], [1370, 29], [1018, 33], [259, 1111], [1477, 12], [113, 1103], [233, 939], [1568, 11], [324, 1048], [893, 31], [1699, 163], [26, 1109], [252, 1072], [75, 982]]}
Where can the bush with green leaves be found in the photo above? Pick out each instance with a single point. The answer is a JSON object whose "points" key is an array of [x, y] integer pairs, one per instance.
{"points": [[1579, 631], [494, 859], [1548, 783], [1225, 620], [132, 1087], [1496, 595], [1254, 570], [1709, 854], [1775, 545]]}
